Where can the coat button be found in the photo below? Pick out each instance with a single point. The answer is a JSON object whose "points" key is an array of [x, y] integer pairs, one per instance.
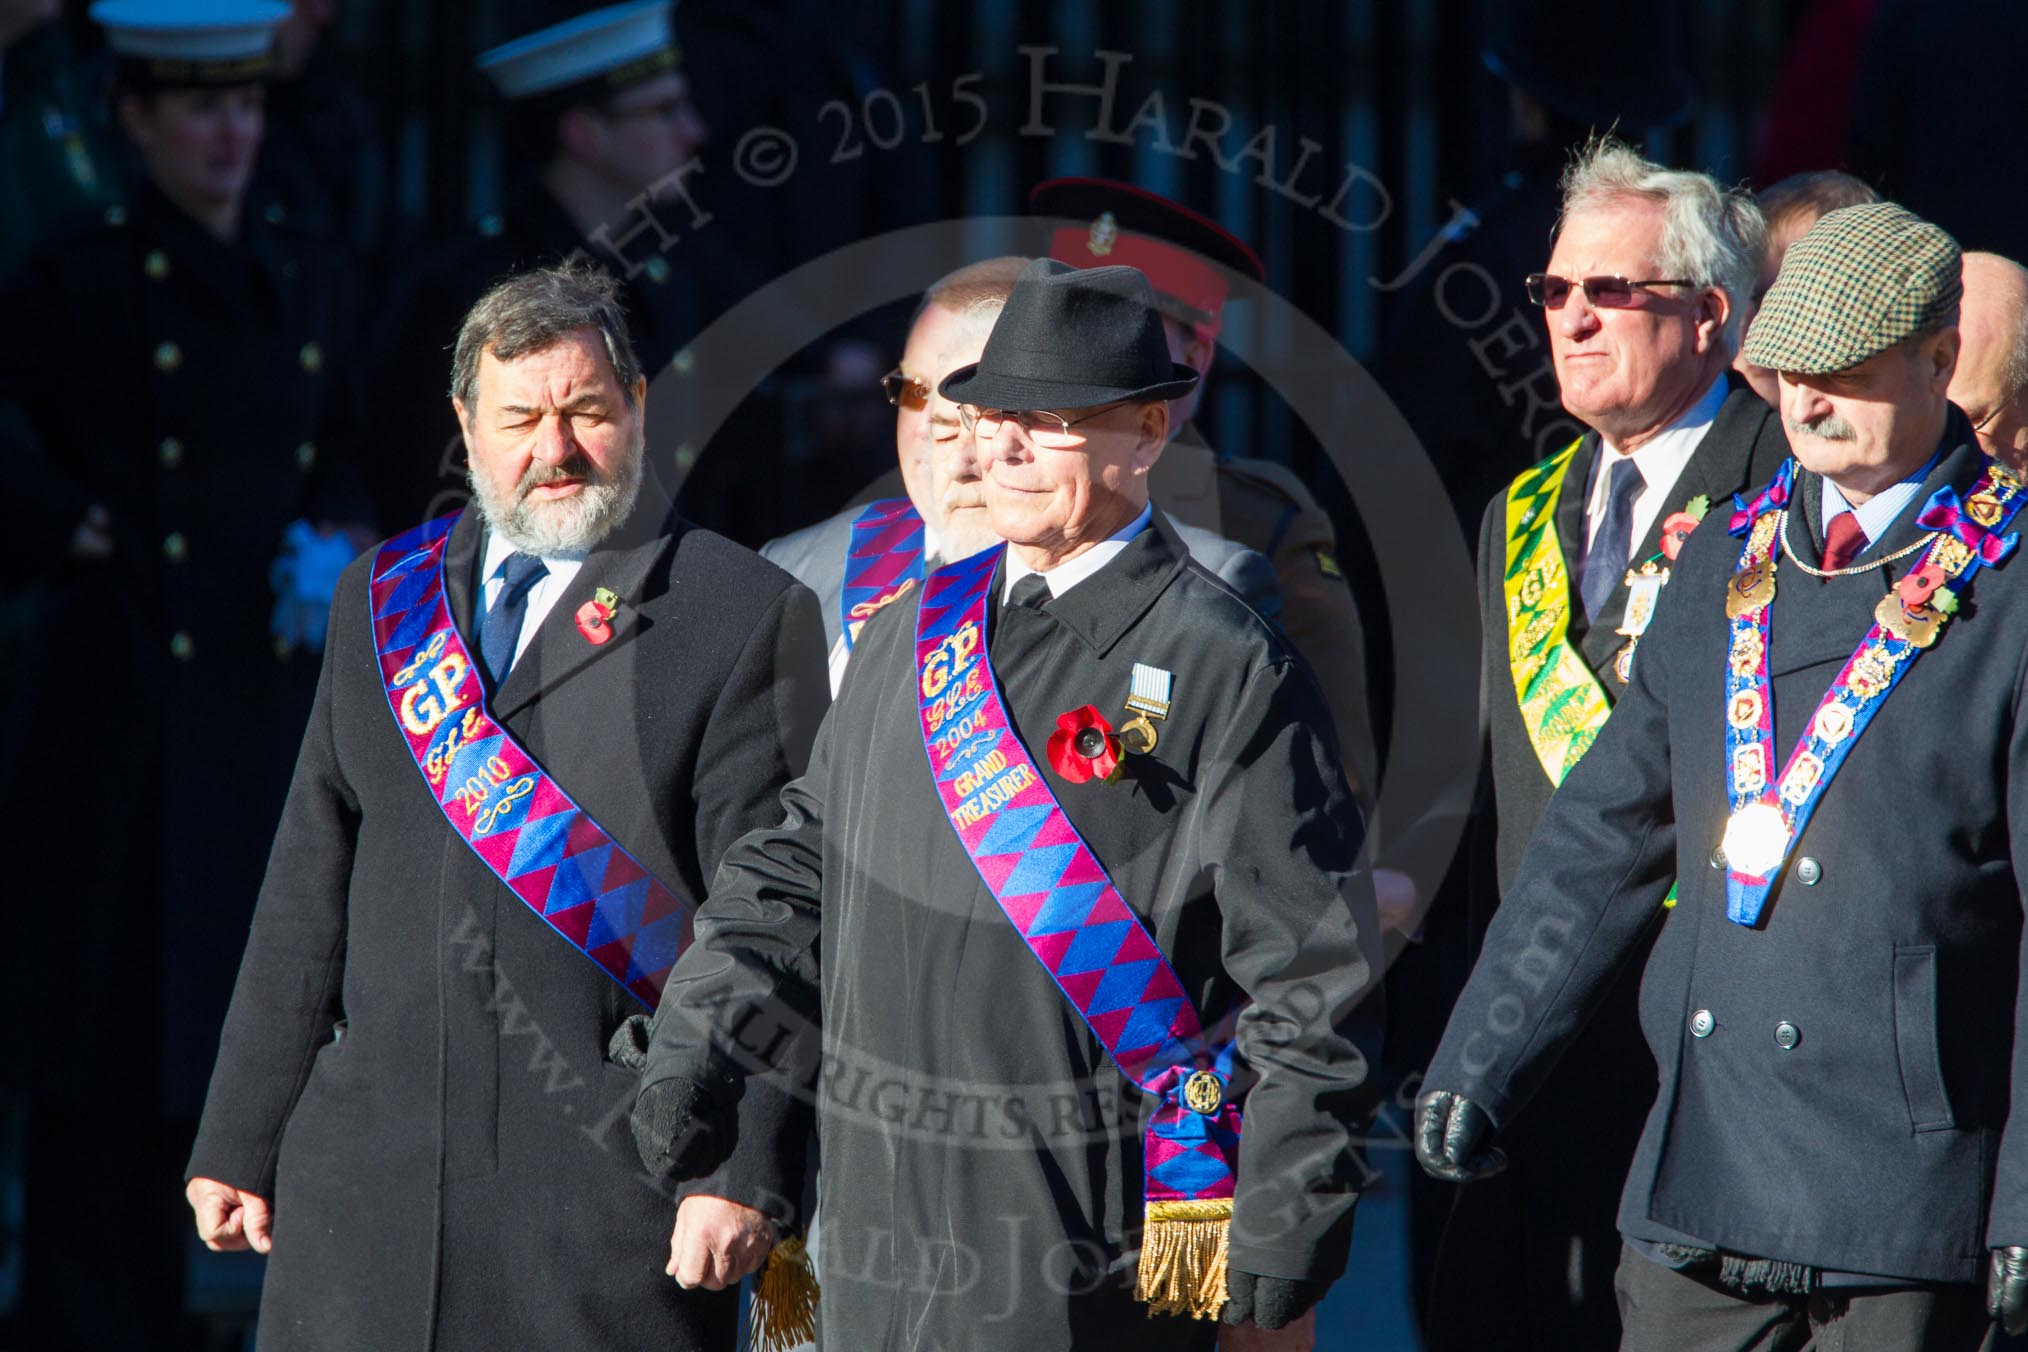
{"points": [[1787, 1035], [312, 357], [170, 452], [182, 647], [1718, 860], [306, 456], [683, 362], [168, 357], [1701, 1023], [175, 547], [156, 264], [1808, 871], [657, 269]]}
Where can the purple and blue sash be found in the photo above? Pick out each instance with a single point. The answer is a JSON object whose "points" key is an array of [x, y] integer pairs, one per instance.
{"points": [[1098, 951], [518, 820], [883, 563]]}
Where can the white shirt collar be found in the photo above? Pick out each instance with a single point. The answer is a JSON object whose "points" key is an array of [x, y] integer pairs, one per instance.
{"points": [[1661, 460], [1879, 511], [542, 595], [1068, 574]]}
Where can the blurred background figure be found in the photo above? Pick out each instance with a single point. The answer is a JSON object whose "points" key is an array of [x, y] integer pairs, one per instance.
{"points": [[1191, 261], [1791, 207], [1991, 380], [58, 153], [166, 375], [320, 164], [601, 135]]}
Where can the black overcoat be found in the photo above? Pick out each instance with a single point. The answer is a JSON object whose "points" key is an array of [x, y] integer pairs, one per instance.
{"points": [[981, 1157], [1849, 1102], [415, 1065], [187, 385]]}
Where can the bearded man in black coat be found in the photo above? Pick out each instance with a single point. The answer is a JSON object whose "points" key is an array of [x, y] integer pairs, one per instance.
{"points": [[416, 1111]]}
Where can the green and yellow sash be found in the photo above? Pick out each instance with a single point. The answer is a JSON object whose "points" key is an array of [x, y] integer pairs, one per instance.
{"points": [[1562, 704]]}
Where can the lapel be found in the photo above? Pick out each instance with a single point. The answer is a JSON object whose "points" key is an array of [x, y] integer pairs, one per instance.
{"points": [[624, 564], [1720, 467], [1102, 608], [1823, 621]]}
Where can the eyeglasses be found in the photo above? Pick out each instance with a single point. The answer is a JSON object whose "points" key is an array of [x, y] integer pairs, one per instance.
{"points": [[904, 392], [1039, 425], [1605, 293]]}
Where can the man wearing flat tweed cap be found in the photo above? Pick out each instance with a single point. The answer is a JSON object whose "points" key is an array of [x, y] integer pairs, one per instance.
{"points": [[1824, 747]]}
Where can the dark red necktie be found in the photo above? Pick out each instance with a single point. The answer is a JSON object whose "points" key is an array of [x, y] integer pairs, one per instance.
{"points": [[1842, 541]]}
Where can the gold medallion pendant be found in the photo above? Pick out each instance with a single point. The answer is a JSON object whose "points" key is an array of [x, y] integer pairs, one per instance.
{"points": [[1752, 587], [1917, 625]]}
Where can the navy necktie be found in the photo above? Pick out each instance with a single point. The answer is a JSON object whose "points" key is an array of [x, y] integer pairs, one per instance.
{"points": [[1026, 599], [1605, 563], [500, 631]]}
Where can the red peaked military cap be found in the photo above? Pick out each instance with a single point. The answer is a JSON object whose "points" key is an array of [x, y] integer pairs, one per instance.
{"points": [[1174, 245]]}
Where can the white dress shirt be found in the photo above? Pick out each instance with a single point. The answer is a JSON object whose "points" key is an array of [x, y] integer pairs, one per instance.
{"points": [[1882, 509], [1067, 575], [542, 595], [1662, 461]]}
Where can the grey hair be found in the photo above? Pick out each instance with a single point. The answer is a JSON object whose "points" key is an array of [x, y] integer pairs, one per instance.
{"points": [[534, 310], [1711, 236]]}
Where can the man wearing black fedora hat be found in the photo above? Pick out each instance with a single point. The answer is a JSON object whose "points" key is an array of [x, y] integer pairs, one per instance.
{"points": [[1067, 887]]}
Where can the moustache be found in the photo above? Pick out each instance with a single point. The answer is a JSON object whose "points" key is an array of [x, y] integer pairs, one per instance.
{"points": [[578, 466], [1830, 427]]}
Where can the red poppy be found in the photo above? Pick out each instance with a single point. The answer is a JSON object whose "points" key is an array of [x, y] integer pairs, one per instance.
{"points": [[1083, 746], [1920, 585], [1675, 530], [593, 622]]}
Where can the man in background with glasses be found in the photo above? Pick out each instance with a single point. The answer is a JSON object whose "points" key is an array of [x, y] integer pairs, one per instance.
{"points": [[1644, 297], [1991, 380], [596, 113], [875, 552]]}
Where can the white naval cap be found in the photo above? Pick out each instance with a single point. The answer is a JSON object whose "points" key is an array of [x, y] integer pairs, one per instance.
{"points": [[192, 41], [617, 45]]}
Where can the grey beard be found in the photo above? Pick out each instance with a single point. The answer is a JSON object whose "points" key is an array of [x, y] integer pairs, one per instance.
{"points": [[571, 526]]}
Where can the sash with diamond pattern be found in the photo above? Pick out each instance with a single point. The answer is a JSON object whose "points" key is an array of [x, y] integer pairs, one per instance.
{"points": [[1770, 812], [526, 829], [882, 563], [1057, 895]]}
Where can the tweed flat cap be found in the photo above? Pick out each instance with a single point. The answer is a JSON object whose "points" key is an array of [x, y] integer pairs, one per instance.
{"points": [[1860, 281]]}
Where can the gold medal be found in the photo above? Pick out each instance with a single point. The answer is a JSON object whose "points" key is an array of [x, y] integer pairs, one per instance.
{"points": [[1983, 507], [1834, 723], [1623, 665], [1753, 586], [1749, 768], [1756, 838], [1871, 671], [1917, 626], [1744, 711], [1644, 589], [1951, 554], [1202, 1093], [1801, 778], [1746, 652]]}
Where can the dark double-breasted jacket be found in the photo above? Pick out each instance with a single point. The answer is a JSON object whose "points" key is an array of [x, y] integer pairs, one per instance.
{"points": [[1838, 1081], [415, 1067]]}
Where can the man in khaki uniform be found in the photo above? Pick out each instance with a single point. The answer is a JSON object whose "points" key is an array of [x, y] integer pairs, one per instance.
{"points": [[1255, 503]]}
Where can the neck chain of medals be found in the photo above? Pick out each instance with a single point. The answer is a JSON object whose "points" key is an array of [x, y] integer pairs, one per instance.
{"points": [[1769, 813]]}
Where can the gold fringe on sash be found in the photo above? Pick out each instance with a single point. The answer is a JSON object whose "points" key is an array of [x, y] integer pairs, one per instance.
{"points": [[784, 1309], [1183, 1253]]}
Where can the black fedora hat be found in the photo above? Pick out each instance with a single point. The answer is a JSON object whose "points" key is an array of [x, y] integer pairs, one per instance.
{"points": [[1072, 338]]}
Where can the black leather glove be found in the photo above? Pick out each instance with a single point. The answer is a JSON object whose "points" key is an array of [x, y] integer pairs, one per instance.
{"points": [[684, 1130], [1269, 1302], [1450, 1138], [2007, 1288]]}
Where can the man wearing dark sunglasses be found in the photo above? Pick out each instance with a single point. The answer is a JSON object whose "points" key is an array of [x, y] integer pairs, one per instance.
{"points": [[942, 516], [1642, 299]]}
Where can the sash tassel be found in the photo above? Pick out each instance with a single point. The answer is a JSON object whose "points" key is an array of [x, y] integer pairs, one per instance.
{"points": [[784, 1309], [1184, 1251]]}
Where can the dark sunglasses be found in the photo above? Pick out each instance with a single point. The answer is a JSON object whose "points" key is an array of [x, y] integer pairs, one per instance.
{"points": [[1605, 293], [903, 392]]}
